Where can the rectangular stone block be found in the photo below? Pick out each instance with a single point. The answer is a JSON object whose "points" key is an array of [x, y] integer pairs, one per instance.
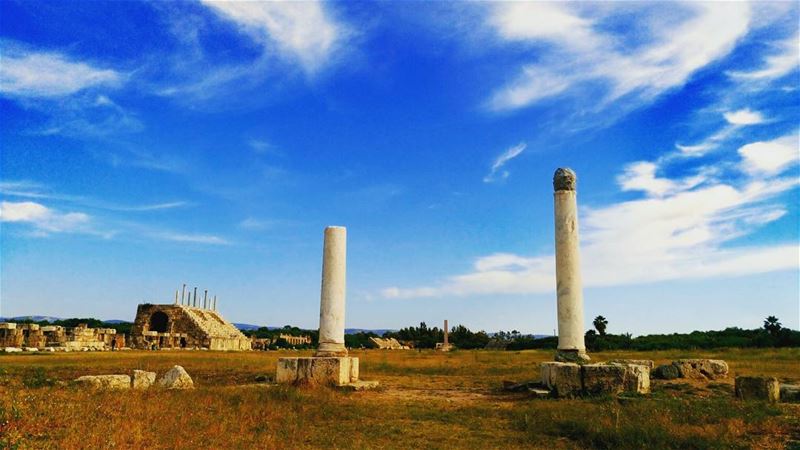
{"points": [[563, 379], [758, 388], [143, 379], [603, 379], [317, 371], [8, 326], [637, 377]]}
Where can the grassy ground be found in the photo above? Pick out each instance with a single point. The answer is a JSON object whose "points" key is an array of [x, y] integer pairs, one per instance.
{"points": [[427, 400]]}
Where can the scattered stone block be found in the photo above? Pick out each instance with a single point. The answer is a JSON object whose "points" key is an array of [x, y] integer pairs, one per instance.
{"points": [[790, 392], [639, 362], [104, 381], [667, 372], [175, 378], [12, 349], [711, 369], [637, 377], [603, 379], [143, 379], [539, 392], [318, 371], [758, 388], [563, 379]]}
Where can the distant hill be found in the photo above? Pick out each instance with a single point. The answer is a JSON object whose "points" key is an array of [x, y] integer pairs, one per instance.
{"points": [[251, 327], [379, 331]]}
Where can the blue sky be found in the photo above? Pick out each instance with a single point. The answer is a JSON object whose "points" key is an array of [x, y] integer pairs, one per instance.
{"points": [[150, 144]]}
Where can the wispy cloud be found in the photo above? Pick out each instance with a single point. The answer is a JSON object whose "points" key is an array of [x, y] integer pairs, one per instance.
{"points": [[46, 74], [682, 229], [496, 169], [781, 61], [34, 190], [44, 220], [772, 157], [191, 238], [744, 117], [302, 31], [579, 51]]}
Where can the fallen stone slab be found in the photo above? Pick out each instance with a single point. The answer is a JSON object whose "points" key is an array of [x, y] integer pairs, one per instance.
{"points": [[12, 349], [563, 379], [31, 349], [104, 381], [539, 392], [639, 362], [790, 392], [667, 372], [143, 379], [757, 388], [175, 378], [711, 369]]}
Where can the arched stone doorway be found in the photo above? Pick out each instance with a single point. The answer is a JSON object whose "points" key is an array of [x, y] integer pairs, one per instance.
{"points": [[159, 322]]}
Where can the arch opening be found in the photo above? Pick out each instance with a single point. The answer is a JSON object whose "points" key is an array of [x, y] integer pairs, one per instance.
{"points": [[159, 322]]}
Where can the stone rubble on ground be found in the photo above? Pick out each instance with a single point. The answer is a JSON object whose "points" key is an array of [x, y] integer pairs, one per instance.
{"points": [[701, 369], [104, 381], [758, 388], [143, 379], [175, 378], [790, 392]]}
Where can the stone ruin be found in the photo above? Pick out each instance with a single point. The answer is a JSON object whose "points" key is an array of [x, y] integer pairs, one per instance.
{"points": [[387, 344], [330, 365], [179, 326], [34, 337], [445, 346]]}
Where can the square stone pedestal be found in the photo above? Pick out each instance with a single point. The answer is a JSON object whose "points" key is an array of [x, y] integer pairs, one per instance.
{"points": [[318, 371]]}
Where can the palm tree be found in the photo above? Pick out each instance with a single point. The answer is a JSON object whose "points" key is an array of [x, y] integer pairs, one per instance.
{"points": [[772, 325], [600, 323]]}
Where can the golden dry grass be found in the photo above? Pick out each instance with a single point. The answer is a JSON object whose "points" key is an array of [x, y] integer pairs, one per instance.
{"points": [[427, 400]]}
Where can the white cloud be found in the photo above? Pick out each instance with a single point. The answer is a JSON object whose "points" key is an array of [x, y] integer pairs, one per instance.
{"points": [[191, 238], [303, 31], [586, 52], [770, 157], [43, 219], [682, 229], [744, 117], [31, 74], [641, 176], [501, 161], [778, 64]]}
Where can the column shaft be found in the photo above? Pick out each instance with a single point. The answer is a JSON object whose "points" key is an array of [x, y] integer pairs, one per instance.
{"points": [[332, 298]]}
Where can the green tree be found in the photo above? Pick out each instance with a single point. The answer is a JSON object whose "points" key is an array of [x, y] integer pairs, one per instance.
{"points": [[772, 325], [600, 324]]}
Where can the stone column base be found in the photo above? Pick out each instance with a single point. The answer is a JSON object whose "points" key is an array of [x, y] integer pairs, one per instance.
{"points": [[317, 371], [574, 356]]}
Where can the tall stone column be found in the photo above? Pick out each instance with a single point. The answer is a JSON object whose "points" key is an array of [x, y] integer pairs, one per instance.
{"points": [[571, 346], [332, 298]]}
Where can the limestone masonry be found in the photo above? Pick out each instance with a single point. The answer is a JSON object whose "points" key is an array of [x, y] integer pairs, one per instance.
{"points": [[56, 337], [183, 326]]}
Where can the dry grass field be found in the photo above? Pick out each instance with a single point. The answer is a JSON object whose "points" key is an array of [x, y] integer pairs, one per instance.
{"points": [[426, 400]]}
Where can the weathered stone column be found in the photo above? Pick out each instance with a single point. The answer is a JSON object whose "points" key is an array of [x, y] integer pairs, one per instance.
{"points": [[446, 332], [332, 298], [571, 346]]}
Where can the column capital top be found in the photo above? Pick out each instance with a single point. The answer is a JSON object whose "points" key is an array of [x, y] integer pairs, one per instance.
{"points": [[564, 179]]}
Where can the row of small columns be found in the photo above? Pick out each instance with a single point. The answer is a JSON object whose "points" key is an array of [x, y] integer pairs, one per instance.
{"points": [[191, 300]]}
